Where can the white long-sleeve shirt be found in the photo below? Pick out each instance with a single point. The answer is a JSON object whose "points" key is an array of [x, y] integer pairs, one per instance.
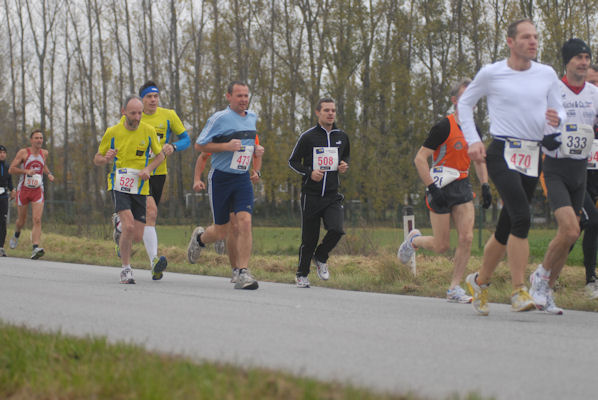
{"points": [[581, 108], [517, 101]]}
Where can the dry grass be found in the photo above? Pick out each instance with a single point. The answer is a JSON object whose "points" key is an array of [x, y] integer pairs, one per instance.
{"points": [[376, 271]]}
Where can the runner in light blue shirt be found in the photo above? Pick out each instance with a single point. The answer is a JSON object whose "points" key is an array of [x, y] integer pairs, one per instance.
{"points": [[224, 126], [230, 136]]}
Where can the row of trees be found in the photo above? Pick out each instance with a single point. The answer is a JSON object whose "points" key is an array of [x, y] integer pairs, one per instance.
{"points": [[67, 64]]}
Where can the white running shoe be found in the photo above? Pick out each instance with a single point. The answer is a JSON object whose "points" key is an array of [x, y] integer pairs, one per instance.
{"points": [[194, 249], [551, 307], [126, 276], [13, 242], [479, 294], [322, 270], [539, 287], [591, 290], [302, 281], [521, 300], [458, 295], [245, 280], [235, 275], [2, 252], [220, 247], [38, 252], [406, 249]]}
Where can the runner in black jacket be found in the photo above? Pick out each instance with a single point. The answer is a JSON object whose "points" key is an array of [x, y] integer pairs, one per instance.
{"points": [[6, 190], [319, 155]]}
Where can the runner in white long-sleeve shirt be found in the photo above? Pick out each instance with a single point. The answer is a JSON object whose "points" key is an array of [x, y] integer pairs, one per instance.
{"points": [[565, 169], [523, 97]]}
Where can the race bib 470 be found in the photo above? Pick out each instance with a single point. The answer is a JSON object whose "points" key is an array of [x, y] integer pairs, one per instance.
{"points": [[522, 156]]}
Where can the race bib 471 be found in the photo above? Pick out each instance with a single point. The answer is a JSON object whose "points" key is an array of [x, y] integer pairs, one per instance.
{"points": [[242, 158]]}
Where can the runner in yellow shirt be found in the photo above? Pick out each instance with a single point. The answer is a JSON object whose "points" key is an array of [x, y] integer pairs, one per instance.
{"points": [[129, 145], [167, 124]]}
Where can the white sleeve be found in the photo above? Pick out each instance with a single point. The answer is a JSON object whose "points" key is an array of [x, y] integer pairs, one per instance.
{"points": [[555, 100], [477, 89]]}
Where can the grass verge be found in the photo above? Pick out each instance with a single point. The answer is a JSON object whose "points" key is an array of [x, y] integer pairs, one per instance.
{"points": [[37, 365]]}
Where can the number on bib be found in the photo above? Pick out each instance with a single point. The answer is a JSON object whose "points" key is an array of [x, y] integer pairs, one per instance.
{"points": [[593, 157], [522, 156], [242, 158], [577, 141], [325, 159], [33, 181], [126, 180]]}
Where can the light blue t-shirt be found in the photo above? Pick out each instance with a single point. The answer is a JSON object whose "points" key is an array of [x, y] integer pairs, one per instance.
{"points": [[224, 126]]}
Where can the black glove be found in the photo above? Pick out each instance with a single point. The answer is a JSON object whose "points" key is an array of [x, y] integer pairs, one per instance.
{"points": [[550, 141], [486, 196], [437, 195]]}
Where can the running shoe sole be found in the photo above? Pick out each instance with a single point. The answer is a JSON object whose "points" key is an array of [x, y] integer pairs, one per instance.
{"points": [[459, 301], [38, 254], [252, 286], [194, 246], [159, 268], [470, 281]]}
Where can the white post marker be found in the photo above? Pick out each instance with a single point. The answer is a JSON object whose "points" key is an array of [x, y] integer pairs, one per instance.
{"points": [[408, 226]]}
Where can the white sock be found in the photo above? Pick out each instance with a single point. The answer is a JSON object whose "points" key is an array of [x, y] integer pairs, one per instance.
{"points": [[150, 240], [543, 273], [128, 266]]}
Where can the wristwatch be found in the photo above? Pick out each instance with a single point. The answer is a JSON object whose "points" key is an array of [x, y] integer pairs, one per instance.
{"points": [[259, 174], [174, 146]]}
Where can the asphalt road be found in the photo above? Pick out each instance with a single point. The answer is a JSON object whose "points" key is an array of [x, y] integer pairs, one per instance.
{"points": [[386, 342]]}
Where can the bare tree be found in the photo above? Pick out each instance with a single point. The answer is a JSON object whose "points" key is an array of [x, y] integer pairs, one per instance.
{"points": [[103, 70], [118, 47], [315, 20], [198, 46], [45, 20], [67, 98], [129, 50], [19, 10], [13, 75]]}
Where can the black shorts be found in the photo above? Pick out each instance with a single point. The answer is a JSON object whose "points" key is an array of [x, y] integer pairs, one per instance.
{"points": [[565, 180], [156, 185], [133, 202], [592, 183], [457, 192], [516, 191]]}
